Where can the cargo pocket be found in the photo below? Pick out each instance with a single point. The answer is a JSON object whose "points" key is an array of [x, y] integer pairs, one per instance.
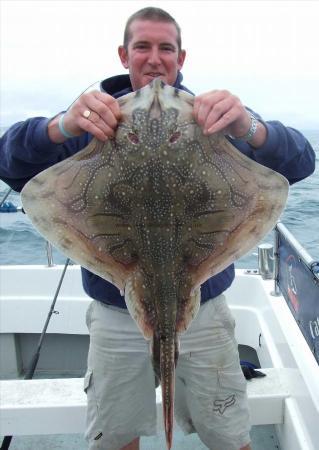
{"points": [[93, 431], [231, 397]]}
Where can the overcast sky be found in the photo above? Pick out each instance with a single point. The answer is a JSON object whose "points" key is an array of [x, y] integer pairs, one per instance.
{"points": [[266, 52]]}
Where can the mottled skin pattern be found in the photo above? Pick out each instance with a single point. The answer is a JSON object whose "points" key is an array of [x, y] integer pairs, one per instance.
{"points": [[157, 211]]}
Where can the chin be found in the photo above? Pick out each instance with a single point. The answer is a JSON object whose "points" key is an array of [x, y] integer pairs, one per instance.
{"points": [[149, 78], [146, 79]]}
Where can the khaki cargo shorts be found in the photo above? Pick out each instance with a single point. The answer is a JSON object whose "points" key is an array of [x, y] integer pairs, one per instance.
{"points": [[210, 392]]}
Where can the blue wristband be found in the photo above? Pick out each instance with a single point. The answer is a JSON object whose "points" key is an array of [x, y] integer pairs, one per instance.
{"points": [[62, 129]]}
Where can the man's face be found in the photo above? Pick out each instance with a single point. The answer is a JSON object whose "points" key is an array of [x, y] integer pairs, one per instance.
{"points": [[152, 52]]}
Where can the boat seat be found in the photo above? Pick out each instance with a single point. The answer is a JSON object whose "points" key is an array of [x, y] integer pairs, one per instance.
{"points": [[58, 406]]}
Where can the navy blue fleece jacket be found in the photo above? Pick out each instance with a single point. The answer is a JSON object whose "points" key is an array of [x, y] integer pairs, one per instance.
{"points": [[26, 150]]}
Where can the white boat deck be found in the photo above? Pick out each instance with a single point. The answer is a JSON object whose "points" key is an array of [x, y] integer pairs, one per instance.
{"points": [[262, 438]]}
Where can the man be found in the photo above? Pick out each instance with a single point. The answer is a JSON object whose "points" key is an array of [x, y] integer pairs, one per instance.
{"points": [[120, 379]]}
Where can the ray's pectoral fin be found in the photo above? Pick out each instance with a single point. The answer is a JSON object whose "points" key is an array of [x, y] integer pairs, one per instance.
{"points": [[67, 205], [94, 149], [139, 305]]}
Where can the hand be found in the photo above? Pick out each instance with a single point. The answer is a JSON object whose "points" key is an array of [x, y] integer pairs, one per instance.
{"points": [[221, 111], [102, 120]]}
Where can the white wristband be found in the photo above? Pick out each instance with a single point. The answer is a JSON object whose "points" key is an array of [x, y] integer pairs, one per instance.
{"points": [[62, 129]]}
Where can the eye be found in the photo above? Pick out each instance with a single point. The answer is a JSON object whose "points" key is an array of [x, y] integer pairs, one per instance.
{"points": [[141, 46], [167, 48], [133, 138], [174, 137]]}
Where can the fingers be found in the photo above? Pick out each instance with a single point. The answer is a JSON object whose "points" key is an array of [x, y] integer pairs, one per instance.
{"points": [[203, 104], [95, 125], [212, 108], [220, 111], [95, 112], [105, 106], [221, 116]]}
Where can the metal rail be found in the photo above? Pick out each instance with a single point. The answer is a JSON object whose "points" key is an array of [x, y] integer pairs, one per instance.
{"points": [[268, 257], [311, 264]]}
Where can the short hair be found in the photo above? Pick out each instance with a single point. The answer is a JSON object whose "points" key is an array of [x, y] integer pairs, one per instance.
{"points": [[156, 15]]}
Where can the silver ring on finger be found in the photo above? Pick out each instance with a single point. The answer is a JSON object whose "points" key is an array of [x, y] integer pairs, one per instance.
{"points": [[86, 114]]}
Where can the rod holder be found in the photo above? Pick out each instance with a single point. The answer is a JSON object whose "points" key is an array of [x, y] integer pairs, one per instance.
{"points": [[266, 262], [49, 254]]}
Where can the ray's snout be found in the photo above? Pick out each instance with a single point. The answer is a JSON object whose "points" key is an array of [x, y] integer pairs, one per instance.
{"points": [[157, 104], [155, 108]]}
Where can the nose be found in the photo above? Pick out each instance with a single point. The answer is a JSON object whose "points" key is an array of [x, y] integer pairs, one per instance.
{"points": [[154, 57]]}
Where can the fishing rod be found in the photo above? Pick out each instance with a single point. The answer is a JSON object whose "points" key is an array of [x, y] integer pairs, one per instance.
{"points": [[6, 195], [34, 362]]}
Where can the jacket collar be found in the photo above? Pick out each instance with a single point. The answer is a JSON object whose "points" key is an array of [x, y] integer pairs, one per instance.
{"points": [[120, 85]]}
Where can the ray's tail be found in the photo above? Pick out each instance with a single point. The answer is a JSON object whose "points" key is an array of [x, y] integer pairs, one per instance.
{"points": [[165, 354]]}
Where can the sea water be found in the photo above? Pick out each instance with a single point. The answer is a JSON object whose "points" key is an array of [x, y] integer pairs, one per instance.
{"points": [[20, 243]]}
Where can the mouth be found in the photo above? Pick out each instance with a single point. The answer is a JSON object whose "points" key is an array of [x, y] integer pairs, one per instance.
{"points": [[154, 74]]}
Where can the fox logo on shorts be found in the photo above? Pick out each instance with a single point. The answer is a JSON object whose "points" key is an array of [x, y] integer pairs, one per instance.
{"points": [[221, 405]]}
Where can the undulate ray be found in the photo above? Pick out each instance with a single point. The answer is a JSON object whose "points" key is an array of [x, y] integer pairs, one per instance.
{"points": [[157, 211]]}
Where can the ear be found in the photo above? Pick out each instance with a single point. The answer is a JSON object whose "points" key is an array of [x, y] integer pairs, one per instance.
{"points": [[181, 58], [123, 56]]}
